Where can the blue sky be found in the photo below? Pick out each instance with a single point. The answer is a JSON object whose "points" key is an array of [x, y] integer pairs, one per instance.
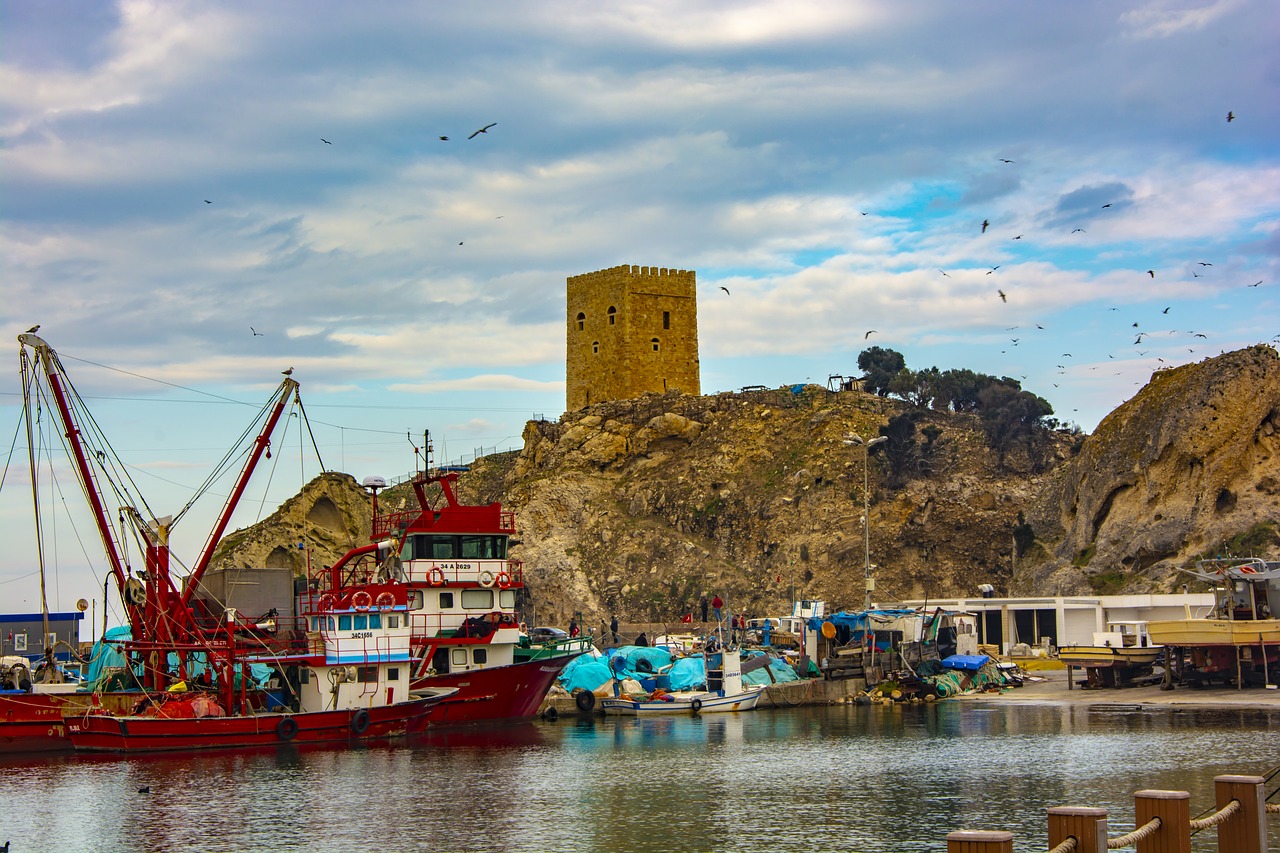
{"points": [[164, 188]]}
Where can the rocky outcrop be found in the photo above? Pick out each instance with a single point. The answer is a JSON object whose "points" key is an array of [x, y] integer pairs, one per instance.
{"points": [[1187, 468]]}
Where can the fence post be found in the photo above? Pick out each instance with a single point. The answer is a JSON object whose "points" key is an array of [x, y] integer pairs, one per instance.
{"points": [[1086, 824], [979, 841], [1174, 810], [1246, 830]]}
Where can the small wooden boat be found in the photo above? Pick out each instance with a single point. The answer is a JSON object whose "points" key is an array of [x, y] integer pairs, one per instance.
{"points": [[1117, 655]]}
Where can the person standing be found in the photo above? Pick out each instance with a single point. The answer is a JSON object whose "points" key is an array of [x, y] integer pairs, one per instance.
{"points": [[613, 628], [702, 602], [573, 627], [716, 605]]}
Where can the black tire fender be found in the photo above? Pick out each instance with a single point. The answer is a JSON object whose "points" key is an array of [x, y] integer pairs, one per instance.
{"points": [[287, 728], [696, 705], [585, 700], [551, 714], [360, 722]]}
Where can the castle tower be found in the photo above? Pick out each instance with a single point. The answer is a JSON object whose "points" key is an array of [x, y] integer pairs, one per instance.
{"points": [[630, 330]]}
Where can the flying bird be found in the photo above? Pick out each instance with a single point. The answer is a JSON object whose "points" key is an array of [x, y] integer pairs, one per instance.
{"points": [[444, 139], [1256, 283], [1002, 160], [868, 334], [1202, 335], [1079, 230], [985, 224], [993, 269], [1151, 273], [256, 332], [1204, 263], [206, 201], [325, 141], [944, 272], [1166, 310], [484, 129], [1105, 206], [1019, 237], [1230, 117], [725, 289], [1003, 298]]}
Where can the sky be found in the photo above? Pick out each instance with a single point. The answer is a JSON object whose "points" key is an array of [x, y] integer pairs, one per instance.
{"points": [[197, 196]]}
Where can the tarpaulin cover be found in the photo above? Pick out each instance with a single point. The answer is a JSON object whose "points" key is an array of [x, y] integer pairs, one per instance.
{"points": [[585, 673], [689, 673], [626, 660], [856, 621], [107, 658], [782, 671], [968, 663]]}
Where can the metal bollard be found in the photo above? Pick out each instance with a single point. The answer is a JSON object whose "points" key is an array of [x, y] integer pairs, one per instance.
{"points": [[979, 841], [1246, 830], [1174, 810], [1088, 825]]}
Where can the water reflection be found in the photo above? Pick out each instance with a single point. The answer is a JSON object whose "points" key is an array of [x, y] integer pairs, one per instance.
{"points": [[853, 778]]}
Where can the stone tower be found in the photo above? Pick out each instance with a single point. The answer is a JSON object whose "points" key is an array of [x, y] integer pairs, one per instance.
{"points": [[630, 330]]}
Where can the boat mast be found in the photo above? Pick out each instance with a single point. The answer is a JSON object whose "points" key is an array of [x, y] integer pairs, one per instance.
{"points": [[260, 445], [27, 380]]}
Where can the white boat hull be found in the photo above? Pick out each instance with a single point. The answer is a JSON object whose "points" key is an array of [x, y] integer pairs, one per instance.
{"points": [[684, 703]]}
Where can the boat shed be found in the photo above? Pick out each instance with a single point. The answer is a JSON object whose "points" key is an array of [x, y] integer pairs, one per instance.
{"points": [[1063, 620], [20, 634]]}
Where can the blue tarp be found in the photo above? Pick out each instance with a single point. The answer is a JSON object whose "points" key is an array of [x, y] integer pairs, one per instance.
{"points": [[782, 671], [856, 621], [626, 661], [585, 673], [106, 658], [968, 663], [688, 673]]}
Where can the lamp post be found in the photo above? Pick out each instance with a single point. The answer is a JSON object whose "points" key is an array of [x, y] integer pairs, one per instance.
{"points": [[866, 446]]}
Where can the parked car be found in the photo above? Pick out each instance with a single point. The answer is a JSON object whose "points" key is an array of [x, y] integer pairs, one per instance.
{"points": [[547, 635]]}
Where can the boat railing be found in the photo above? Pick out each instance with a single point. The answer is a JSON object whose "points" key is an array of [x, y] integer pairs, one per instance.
{"points": [[1162, 821], [496, 574], [393, 522]]}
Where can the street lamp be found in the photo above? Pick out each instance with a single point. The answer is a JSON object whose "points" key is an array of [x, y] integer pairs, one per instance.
{"points": [[866, 446]]}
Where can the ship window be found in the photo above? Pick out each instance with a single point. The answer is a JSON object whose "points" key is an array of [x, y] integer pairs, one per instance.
{"points": [[595, 347], [440, 661], [480, 656], [415, 599], [442, 547], [315, 623], [446, 601], [507, 599], [367, 674], [654, 341], [375, 620], [459, 657], [344, 623], [582, 321], [331, 628], [393, 621], [613, 314], [666, 319], [306, 677], [393, 673], [473, 547], [361, 623], [20, 642], [477, 599]]}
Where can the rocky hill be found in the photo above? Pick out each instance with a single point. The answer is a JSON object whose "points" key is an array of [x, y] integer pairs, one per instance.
{"points": [[637, 507]]}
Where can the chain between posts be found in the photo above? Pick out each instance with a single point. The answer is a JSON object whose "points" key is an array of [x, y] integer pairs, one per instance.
{"points": [[1134, 837], [1217, 817]]}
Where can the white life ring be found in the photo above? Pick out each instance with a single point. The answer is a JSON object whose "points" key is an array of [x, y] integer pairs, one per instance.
{"points": [[486, 579], [386, 601], [361, 600]]}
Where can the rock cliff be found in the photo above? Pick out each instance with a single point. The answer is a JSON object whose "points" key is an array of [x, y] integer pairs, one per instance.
{"points": [[638, 507]]}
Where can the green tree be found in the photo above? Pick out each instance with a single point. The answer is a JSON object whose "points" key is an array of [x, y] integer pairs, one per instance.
{"points": [[879, 366], [1010, 417]]}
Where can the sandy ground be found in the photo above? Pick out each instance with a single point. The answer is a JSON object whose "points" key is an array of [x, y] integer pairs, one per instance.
{"points": [[1051, 687]]}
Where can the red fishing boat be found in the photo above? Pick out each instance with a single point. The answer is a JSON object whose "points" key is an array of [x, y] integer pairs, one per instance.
{"points": [[464, 596], [340, 672]]}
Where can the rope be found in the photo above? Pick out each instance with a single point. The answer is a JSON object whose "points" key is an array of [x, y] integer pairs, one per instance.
{"points": [[1066, 845], [1217, 817], [1273, 808], [1134, 837]]}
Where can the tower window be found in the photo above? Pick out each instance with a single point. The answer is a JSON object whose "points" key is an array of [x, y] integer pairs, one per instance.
{"points": [[595, 346], [613, 314], [666, 319], [582, 321], [654, 341]]}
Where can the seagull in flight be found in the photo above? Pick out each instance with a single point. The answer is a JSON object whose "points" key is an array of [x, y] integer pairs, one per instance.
{"points": [[985, 224], [1204, 263], [1166, 310], [1002, 160], [325, 141], [1151, 273], [206, 201], [1230, 116], [944, 272], [444, 139], [1256, 283], [1003, 298], [725, 289], [993, 269], [868, 334], [1105, 206], [1080, 231], [484, 129], [256, 333]]}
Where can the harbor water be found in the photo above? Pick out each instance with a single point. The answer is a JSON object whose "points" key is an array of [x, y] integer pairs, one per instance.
{"points": [[845, 778]]}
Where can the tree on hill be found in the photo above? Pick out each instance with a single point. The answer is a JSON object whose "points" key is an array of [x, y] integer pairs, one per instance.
{"points": [[1010, 417], [879, 366]]}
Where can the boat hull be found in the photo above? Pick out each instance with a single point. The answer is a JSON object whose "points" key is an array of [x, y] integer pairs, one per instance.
{"points": [[1104, 657], [706, 703], [31, 722], [1215, 632], [513, 692], [132, 734]]}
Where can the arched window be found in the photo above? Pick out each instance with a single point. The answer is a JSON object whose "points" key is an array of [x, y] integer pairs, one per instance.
{"points": [[595, 347], [654, 341], [613, 314], [582, 321]]}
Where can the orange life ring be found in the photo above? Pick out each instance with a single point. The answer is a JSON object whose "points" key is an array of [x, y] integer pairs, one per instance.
{"points": [[361, 600], [386, 601], [1247, 570], [503, 580], [327, 602], [436, 576]]}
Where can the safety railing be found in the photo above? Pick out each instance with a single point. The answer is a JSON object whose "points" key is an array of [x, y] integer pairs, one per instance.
{"points": [[1163, 824]]}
